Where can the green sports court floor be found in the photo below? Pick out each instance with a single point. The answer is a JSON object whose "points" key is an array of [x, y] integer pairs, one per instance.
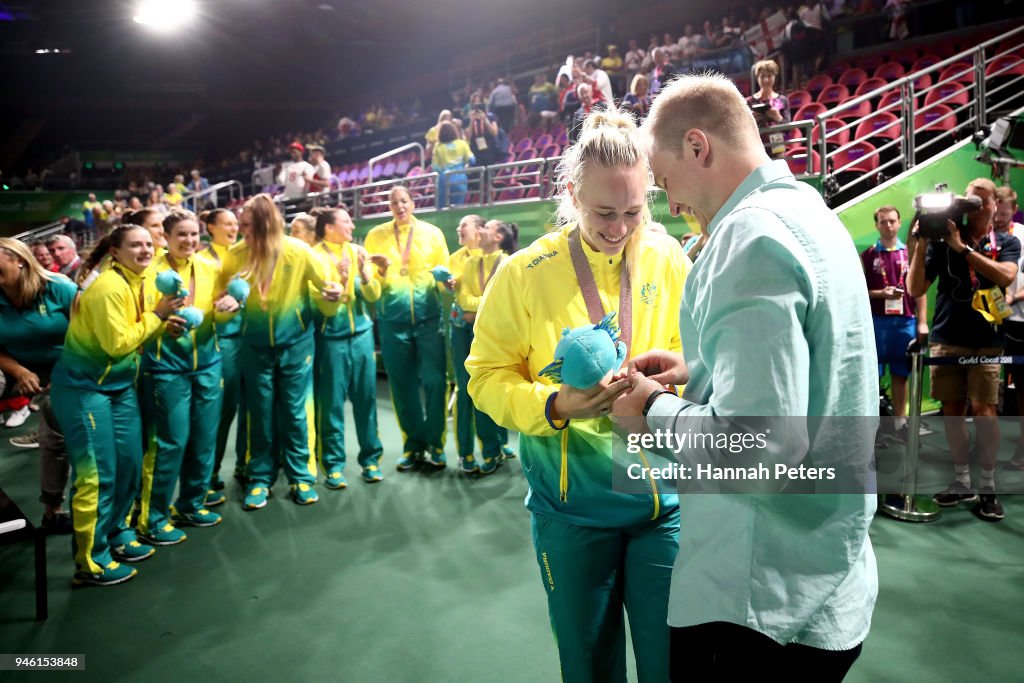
{"points": [[432, 578]]}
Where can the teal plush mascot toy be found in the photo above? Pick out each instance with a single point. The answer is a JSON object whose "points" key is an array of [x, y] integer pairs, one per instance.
{"points": [[169, 283], [441, 273], [238, 289], [585, 355]]}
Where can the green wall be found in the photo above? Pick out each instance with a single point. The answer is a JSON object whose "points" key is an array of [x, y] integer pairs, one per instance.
{"points": [[24, 210]]}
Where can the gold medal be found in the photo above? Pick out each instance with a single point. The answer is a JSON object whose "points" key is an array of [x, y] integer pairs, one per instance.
{"points": [[345, 298], [404, 272], [263, 305]]}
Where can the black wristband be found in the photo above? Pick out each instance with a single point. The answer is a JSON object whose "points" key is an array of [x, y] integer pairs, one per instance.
{"points": [[654, 397], [547, 413]]}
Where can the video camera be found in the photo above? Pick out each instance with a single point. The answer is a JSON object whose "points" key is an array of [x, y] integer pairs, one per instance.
{"points": [[934, 209]]}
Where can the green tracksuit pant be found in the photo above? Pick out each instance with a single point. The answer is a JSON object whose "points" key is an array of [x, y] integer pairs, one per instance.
{"points": [[589, 575], [279, 401], [103, 433], [414, 357], [346, 369], [182, 412], [233, 403], [467, 418]]}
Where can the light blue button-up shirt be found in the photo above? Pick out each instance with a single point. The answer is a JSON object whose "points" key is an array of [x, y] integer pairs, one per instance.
{"points": [[775, 321]]}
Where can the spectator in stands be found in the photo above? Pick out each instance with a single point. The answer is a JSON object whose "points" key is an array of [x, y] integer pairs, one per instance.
{"points": [[155, 201], [488, 143], [770, 108], [44, 257], [637, 100], [1003, 223], [543, 94], [688, 43], [134, 204], [431, 135], [296, 174], [670, 44], [898, 318], [967, 263], [612, 65], [568, 101], [35, 308], [321, 180], [451, 154], [634, 59], [598, 80], [587, 103], [663, 71], [814, 15], [65, 255], [404, 250], [197, 183], [347, 128], [173, 196], [502, 103], [303, 227], [89, 207]]}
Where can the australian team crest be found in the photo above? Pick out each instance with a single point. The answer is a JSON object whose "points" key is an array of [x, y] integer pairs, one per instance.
{"points": [[648, 293]]}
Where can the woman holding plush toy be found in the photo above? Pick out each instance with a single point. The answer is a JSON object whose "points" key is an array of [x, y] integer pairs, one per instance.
{"points": [[181, 387], [598, 550]]}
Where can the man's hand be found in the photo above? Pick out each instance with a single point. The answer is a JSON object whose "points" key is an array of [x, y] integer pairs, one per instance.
{"points": [[574, 404], [891, 292], [632, 402], [664, 367], [953, 238], [27, 383], [922, 332]]}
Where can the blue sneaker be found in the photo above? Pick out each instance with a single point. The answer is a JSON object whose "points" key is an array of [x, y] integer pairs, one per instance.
{"points": [[372, 474], [303, 494], [199, 518], [335, 481], [507, 452], [114, 573], [256, 498], [132, 552], [165, 535], [468, 465], [490, 465], [407, 461], [436, 458], [214, 498]]}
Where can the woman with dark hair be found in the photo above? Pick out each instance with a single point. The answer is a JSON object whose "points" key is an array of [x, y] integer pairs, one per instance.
{"points": [[469, 241], [405, 250], [451, 153], [277, 333], [222, 225], [96, 406], [35, 307], [182, 390], [346, 366]]}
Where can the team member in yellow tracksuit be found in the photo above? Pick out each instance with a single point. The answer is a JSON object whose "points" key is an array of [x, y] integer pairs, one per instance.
{"points": [[277, 331], [223, 228], [411, 332], [346, 365], [495, 240], [182, 392], [598, 549], [469, 239], [95, 403]]}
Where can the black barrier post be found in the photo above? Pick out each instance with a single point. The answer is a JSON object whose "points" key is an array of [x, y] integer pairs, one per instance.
{"points": [[911, 507]]}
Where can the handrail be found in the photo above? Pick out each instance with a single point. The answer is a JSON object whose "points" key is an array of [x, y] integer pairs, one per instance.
{"points": [[397, 150], [40, 232], [214, 189]]}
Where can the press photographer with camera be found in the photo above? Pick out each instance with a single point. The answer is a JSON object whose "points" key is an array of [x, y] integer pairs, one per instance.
{"points": [[971, 263]]}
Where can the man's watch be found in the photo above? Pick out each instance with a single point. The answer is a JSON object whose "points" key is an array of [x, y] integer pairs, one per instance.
{"points": [[968, 250]]}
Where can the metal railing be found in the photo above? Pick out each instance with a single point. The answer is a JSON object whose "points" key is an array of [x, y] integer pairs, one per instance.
{"points": [[234, 190], [394, 152], [41, 232]]}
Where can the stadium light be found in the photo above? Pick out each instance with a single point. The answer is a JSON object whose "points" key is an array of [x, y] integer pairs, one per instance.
{"points": [[164, 15]]}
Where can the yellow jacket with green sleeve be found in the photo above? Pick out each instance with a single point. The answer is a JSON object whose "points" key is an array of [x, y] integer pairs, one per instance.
{"points": [[468, 290], [217, 254], [113, 320], [196, 349], [414, 296], [351, 315], [532, 298], [284, 314]]}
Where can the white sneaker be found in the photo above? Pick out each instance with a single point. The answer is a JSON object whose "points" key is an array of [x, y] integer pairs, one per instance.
{"points": [[16, 418]]}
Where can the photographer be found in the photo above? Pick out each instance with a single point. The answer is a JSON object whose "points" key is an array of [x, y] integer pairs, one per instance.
{"points": [[897, 316], [1002, 221], [487, 140], [969, 262]]}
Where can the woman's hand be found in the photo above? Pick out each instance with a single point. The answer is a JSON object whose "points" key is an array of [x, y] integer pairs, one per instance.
{"points": [[227, 304], [450, 284], [574, 404], [470, 317], [382, 262], [774, 116], [175, 326], [664, 367], [331, 292], [168, 305]]}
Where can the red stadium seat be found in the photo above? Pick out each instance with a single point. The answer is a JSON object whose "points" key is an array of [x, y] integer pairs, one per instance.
{"points": [[868, 85], [851, 78], [527, 154], [542, 141], [925, 62], [523, 145], [890, 71], [923, 81], [871, 62], [836, 70], [905, 57], [961, 72], [798, 98], [809, 111], [797, 160], [551, 151], [857, 111], [937, 118], [892, 99], [835, 134], [818, 83], [881, 125], [862, 156], [1007, 65], [834, 94], [951, 93]]}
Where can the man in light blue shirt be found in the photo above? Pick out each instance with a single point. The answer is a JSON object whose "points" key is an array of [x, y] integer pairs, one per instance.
{"points": [[775, 323]]}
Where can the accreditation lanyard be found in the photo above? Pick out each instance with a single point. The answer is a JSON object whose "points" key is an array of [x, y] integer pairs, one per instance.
{"points": [[901, 264], [993, 253], [588, 287], [480, 272], [408, 247], [348, 286]]}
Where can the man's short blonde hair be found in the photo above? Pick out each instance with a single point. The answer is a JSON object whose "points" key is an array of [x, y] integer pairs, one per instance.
{"points": [[984, 184], [708, 102], [1005, 193]]}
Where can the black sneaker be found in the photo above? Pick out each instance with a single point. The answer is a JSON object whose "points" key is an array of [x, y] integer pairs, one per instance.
{"points": [[59, 523], [1016, 463], [954, 494], [988, 507]]}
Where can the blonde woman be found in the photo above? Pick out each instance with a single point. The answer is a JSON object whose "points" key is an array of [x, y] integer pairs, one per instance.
{"points": [[603, 550]]}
